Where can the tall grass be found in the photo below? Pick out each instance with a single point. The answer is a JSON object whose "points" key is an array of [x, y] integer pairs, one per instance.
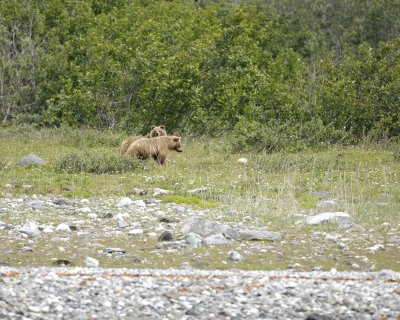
{"points": [[271, 188]]}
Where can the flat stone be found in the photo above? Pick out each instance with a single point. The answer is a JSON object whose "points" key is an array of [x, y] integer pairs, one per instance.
{"points": [[198, 190], [259, 234], [136, 232], [160, 192], [122, 224], [340, 218], [114, 250], [216, 239], [169, 220]]}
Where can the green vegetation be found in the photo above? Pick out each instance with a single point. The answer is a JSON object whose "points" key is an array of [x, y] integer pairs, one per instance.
{"points": [[364, 180], [271, 191], [273, 74]]}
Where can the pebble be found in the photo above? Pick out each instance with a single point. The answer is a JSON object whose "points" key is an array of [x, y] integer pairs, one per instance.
{"points": [[63, 227], [91, 262], [136, 232], [235, 256], [124, 203], [97, 293]]}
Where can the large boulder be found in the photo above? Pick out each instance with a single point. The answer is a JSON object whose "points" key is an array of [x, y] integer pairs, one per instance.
{"points": [[30, 160]]}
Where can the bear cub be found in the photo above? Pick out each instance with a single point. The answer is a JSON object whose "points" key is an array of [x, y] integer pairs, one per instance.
{"points": [[157, 147], [155, 132]]}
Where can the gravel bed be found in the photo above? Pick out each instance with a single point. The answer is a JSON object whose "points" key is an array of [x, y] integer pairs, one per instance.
{"points": [[101, 293]]}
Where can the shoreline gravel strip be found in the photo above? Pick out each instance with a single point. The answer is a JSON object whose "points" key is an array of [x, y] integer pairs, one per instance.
{"points": [[99, 293]]}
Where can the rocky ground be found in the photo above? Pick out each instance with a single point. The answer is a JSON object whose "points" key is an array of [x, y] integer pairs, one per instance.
{"points": [[97, 293], [145, 232], [139, 257]]}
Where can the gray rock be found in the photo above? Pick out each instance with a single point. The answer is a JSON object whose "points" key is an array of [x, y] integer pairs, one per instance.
{"points": [[139, 192], [122, 224], [29, 160], [136, 232], [235, 256], [193, 239], [63, 227], [26, 249], [259, 234], [327, 203], [166, 236], [179, 209], [231, 233], [203, 227], [160, 192], [125, 203], [30, 228], [114, 250], [340, 218], [169, 220], [216, 239], [36, 205]]}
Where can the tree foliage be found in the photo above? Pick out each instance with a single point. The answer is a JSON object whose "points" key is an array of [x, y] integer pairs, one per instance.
{"points": [[266, 72]]}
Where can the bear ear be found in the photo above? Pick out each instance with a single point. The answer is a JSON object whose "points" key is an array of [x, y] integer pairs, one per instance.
{"points": [[177, 138], [162, 127], [152, 127]]}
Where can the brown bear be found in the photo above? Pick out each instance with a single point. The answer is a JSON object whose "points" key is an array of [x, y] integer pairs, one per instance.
{"points": [[157, 147], [155, 132]]}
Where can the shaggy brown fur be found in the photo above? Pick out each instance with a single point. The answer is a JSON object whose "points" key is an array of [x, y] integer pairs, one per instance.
{"points": [[155, 132], [154, 147]]}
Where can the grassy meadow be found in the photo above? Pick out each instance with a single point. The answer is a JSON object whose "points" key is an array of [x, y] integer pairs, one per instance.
{"points": [[274, 191]]}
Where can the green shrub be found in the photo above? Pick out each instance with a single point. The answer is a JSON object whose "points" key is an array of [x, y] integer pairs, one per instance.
{"points": [[98, 164], [289, 136]]}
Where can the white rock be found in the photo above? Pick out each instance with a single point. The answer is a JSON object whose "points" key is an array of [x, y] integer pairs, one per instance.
{"points": [[30, 228], [136, 232], [92, 215], [340, 218], [140, 204], [63, 227], [61, 249], [84, 210], [160, 192], [84, 201], [152, 234], [235, 256], [124, 203], [121, 216], [91, 262], [122, 224], [198, 190], [375, 248], [243, 160]]}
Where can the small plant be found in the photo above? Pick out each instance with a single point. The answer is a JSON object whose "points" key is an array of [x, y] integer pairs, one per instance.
{"points": [[98, 164], [189, 200]]}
